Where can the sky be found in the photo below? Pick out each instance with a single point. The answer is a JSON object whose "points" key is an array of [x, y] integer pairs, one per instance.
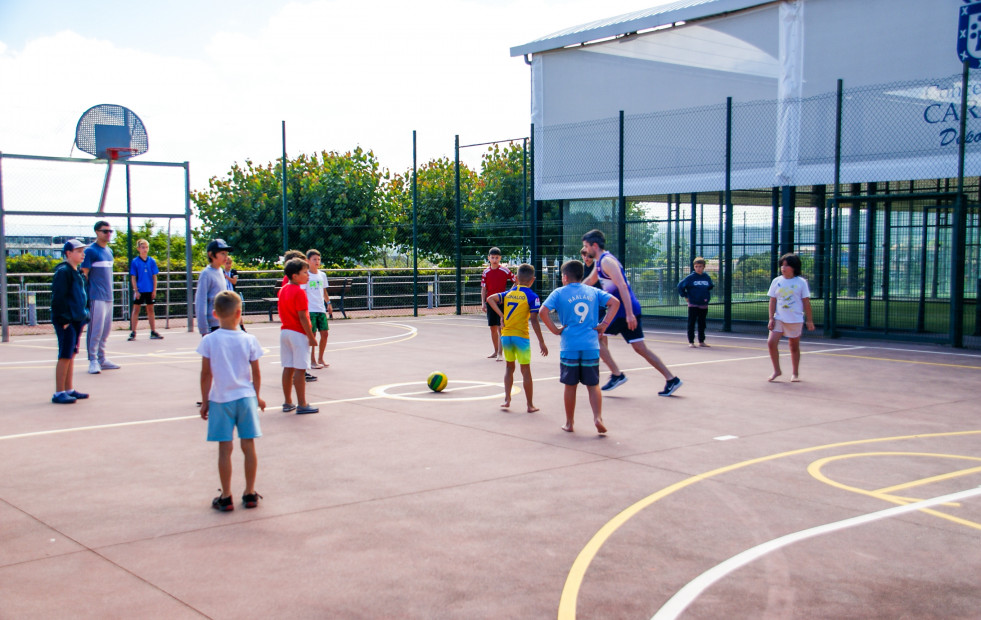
{"points": [[212, 80]]}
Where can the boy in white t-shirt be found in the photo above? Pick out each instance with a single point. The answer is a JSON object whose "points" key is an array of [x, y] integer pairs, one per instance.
{"points": [[319, 303], [230, 396], [790, 303]]}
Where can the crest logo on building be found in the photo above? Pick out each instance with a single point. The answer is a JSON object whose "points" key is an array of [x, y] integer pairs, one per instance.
{"points": [[969, 33]]}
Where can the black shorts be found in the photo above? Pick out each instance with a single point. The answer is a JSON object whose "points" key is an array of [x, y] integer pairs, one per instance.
{"points": [[493, 318], [143, 299], [619, 326], [68, 338]]}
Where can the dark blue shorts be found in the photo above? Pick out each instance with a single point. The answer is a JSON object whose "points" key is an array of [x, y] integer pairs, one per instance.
{"points": [[579, 367], [619, 326], [68, 338]]}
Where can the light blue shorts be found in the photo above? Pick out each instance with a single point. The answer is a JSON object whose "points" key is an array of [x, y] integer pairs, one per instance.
{"points": [[223, 418], [516, 348]]}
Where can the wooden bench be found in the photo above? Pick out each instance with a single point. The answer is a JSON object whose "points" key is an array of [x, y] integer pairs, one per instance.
{"points": [[336, 292]]}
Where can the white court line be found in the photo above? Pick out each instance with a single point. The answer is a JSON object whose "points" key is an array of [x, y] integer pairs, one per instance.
{"points": [[686, 595]]}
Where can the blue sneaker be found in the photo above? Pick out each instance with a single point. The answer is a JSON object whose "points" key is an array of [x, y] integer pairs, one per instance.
{"points": [[78, 395], [614, 381], [63, 398]]}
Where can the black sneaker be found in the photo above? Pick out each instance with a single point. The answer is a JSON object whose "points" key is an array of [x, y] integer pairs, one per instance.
{"points": [[155, 336], [670, 387], [132, 336], [310, 377], [614, 381], [223, 504], [251, 500]]}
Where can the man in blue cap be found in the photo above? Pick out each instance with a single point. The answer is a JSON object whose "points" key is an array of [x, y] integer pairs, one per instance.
{"points": [[69, 314]]}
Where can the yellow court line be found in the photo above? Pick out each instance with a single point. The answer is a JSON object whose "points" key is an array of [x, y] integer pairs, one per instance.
{"points": [[887, 359], [573, 583], [815, 470]]}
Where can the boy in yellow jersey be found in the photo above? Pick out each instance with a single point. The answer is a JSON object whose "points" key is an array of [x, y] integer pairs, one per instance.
{"points": [[517, 307]]}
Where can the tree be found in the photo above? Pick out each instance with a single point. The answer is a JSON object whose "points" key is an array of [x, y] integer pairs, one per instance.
{"points": [[158, 248], [436, 210], [502, 212], [337, 203]]}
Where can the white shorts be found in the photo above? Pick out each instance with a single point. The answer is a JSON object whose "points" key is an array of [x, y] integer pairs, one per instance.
{"points": [[294, 349], [790, 330]]}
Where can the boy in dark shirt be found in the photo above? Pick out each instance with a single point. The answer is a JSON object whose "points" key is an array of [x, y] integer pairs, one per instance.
{"points": [[69, 313], [695, 289]]}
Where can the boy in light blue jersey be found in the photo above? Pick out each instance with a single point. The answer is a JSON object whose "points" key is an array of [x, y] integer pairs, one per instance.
{"points": [[578, 308]]}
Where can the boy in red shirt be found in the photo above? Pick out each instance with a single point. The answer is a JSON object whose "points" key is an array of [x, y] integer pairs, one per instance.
{"points": [[494, 280], [295, 336]]}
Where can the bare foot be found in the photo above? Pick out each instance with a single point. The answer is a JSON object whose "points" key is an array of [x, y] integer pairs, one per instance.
{"points": [[315, 366], [492, 355], [505, 404], [500, 359], [794, 379], [567, 428], [691, 345], [323, 364], [702, 344], [773, 377], [599, 426], [532, 408]]}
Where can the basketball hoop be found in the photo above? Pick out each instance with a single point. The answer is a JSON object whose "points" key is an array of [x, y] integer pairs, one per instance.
{"points": [[110, 132]]}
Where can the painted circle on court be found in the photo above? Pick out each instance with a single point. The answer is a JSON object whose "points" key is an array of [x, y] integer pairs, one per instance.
{"points": [[429, 396]]}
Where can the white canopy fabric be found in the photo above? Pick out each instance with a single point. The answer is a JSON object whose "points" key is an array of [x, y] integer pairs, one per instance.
{"points": [[780, 62]]}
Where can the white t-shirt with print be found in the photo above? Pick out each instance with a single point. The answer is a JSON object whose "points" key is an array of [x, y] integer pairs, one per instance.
{"points": [[315, 288], [790, 294], [231, 352]]}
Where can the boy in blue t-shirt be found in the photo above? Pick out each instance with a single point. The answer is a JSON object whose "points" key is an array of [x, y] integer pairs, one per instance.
{"points": [[143, 272], [578, 309]]}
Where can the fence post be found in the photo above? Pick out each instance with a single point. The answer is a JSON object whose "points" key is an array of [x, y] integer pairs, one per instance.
{"points": [[459, 236], [4, 307], [621, 203], [832, 303], [957, 231], [286, 235], [188, 269], [727, 265], [415, 233], [533, 204]]}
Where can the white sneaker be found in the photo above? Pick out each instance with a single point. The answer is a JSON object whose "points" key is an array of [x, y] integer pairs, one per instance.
{"points": [[94, 367], [107, 365]]}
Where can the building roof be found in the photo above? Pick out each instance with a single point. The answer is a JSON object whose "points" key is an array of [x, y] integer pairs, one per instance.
{"points": [[666, 14]]}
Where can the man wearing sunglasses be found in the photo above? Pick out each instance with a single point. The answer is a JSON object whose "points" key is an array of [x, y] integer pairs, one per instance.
{"points": [[97, 268]]}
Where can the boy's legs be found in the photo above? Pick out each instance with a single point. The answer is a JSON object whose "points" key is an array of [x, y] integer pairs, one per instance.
{"points": [[225, 466], [772, 343], [596, 404], [701, 316], [495, 331], [692, 316], [151, 317], [300, 385], [134, 317], [529, 387], [323, 345], [605, 355], [287, 385], [794, 358], [641, 348], [508, 383], [569, 399], [251, 465]]}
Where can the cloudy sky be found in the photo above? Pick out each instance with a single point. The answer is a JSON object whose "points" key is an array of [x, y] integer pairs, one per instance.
{"points": [[213, 79]]}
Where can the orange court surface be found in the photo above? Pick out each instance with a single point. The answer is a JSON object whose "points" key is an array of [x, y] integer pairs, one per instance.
{"points": [[855, 493]]}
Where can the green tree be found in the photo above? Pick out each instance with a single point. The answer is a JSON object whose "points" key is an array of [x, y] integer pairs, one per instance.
{"points": [[157, 238], [337, 203], [436, 211], [31, 263], [500, 200]]}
